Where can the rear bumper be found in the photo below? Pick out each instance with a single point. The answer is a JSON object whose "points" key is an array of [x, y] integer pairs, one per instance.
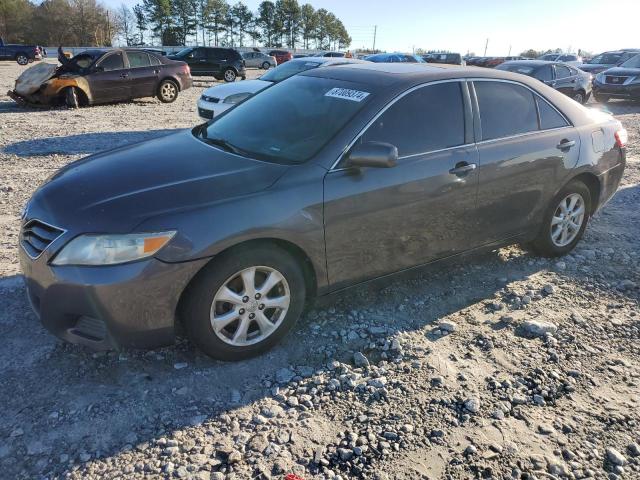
{"points": [[610, 180], [129, 305]]}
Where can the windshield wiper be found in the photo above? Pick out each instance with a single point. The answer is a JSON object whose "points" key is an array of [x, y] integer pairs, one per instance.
{"points": [[222, 143]]}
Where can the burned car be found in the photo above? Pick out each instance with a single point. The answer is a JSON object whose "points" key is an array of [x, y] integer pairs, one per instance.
{"points": [[102, 76]]}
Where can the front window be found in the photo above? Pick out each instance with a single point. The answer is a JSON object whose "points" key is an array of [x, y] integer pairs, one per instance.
{"points": [[307, 113], [184, 52], [523, 69], [112, 62], [288, 69], [633, 62]]}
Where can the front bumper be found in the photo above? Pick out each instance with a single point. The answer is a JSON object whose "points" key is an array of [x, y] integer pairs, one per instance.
{"points": [[631, 91], [130, 305], [208, 110]]}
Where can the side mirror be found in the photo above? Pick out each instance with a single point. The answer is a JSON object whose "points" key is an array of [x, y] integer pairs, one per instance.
{"points": [[98, 69], [373, 154]]}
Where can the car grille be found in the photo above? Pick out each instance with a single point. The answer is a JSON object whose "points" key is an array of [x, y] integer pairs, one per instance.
{"points": [[210, 99], [36, 236], [205, 113], [613, 80]]}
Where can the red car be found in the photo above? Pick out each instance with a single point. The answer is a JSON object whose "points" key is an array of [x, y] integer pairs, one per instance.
{"points": [[494, 62], [281, 56]]}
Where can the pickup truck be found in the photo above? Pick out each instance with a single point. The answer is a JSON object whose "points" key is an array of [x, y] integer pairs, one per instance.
{"points": [[23, 54]]}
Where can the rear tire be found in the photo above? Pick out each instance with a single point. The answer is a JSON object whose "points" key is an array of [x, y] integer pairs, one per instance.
{"points": [[22, 59], [202, 307], [564, 221], [266, 66], [167, 91], [230, 75], [579, 97], [601, 98], [71, 98]]}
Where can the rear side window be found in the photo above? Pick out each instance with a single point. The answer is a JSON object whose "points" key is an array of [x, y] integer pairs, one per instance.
{"points": [[154, 60], [544, 74], [506, 109], [112, 62], [562, 71], [427, 119], [549, 117], [138, 59]]}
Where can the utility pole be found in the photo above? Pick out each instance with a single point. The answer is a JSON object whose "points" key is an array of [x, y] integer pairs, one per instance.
{"points": [[375, 32], [486, 45], [509, 50]]}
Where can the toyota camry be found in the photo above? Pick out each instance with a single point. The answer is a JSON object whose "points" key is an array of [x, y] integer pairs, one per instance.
{"points": [[331, 178]]}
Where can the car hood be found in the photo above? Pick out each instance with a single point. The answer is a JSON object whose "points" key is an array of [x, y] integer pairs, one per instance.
{"points": [[622, 71], [116, 190], [228, 89], [594, 67]]}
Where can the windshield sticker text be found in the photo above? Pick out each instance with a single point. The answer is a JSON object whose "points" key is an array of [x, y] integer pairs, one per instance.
{"points": [[347, 94]]}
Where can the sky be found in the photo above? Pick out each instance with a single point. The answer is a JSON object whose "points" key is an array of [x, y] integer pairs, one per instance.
{"points": [[464, 25]]}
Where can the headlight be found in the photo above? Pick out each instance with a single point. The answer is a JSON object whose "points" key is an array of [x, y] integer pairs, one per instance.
{"points": [[237, 98], [111, 249]]}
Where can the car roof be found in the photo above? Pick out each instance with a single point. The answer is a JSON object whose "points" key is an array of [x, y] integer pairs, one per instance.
{"points": [[532, 63], [325, 61]]}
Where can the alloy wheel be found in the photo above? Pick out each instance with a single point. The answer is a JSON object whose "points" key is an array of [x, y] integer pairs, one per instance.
{"points": [[168, 91], [578, 98], [22, 60], [229, 76], [567, 220], [250, 306]]}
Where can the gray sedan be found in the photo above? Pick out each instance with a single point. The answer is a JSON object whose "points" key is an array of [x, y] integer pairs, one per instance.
{"points": [[331, 178], [259, 60]]}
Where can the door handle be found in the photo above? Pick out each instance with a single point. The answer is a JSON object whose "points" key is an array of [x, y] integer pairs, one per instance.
{"points": [[124, 75], [566, 144], [463, 168]]}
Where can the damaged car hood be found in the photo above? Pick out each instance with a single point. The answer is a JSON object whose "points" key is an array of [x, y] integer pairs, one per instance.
{"points": [[116, 190], [32, 78]]}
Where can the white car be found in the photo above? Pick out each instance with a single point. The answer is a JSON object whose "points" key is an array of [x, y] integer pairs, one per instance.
{"points": [[219, 98]]}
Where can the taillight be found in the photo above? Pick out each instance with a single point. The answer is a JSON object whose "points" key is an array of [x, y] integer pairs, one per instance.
{"points": [[621, 137]]}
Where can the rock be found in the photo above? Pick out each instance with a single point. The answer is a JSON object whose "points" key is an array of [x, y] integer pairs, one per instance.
{"points": [[470, 450], [258, 443], [284, 375], [234, 457], [472, 404], [634, 449], [548, 289], [615, 457], [293, 401], [345, 454], [360, 360], [448, 326], [538, 328]]}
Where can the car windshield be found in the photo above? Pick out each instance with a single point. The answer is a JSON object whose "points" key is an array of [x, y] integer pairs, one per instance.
{"points": [[287, 123], [183, 52], [633, 62], [288, 69], [606, 58], [523, 69], [84, 60]]}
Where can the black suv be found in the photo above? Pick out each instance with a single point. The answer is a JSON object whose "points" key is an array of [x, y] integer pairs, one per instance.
{"points": [[222, 63]]}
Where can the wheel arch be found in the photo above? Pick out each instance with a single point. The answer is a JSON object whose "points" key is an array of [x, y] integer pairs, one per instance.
{"points": [[173, 79], [593, 184], [310, 273]]}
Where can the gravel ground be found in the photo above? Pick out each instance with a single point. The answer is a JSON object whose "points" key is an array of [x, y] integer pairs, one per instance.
{"points": [[506, 366]]}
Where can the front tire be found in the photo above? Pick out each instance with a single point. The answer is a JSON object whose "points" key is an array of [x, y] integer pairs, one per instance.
{"points": [[71, 98], [565, 221], [22, 59], [244, 302], [579, 97], [600, 98], [230, 75], [265, 66], [167, 91]]}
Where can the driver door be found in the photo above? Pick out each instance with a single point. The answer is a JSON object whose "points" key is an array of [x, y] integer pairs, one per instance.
{"points": [[109, 80], [382, 220]]}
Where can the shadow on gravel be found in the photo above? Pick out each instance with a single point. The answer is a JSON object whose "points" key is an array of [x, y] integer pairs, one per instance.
{"points": [[84, 143]]}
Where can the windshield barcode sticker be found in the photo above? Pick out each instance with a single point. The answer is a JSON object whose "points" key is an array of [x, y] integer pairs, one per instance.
{"points": [[347, 94]]}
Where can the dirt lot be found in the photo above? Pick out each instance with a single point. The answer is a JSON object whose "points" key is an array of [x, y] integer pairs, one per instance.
{"points": [[504, 365]]}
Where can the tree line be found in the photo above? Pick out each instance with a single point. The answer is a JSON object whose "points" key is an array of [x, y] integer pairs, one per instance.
{"points": [[280, 23], [283, 23]]}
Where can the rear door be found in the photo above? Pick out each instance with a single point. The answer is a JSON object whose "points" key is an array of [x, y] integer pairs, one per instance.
{"points": [[526, 149], [109, 79], [143, 76], [198, 62], [382, 220], [565, 80]]}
